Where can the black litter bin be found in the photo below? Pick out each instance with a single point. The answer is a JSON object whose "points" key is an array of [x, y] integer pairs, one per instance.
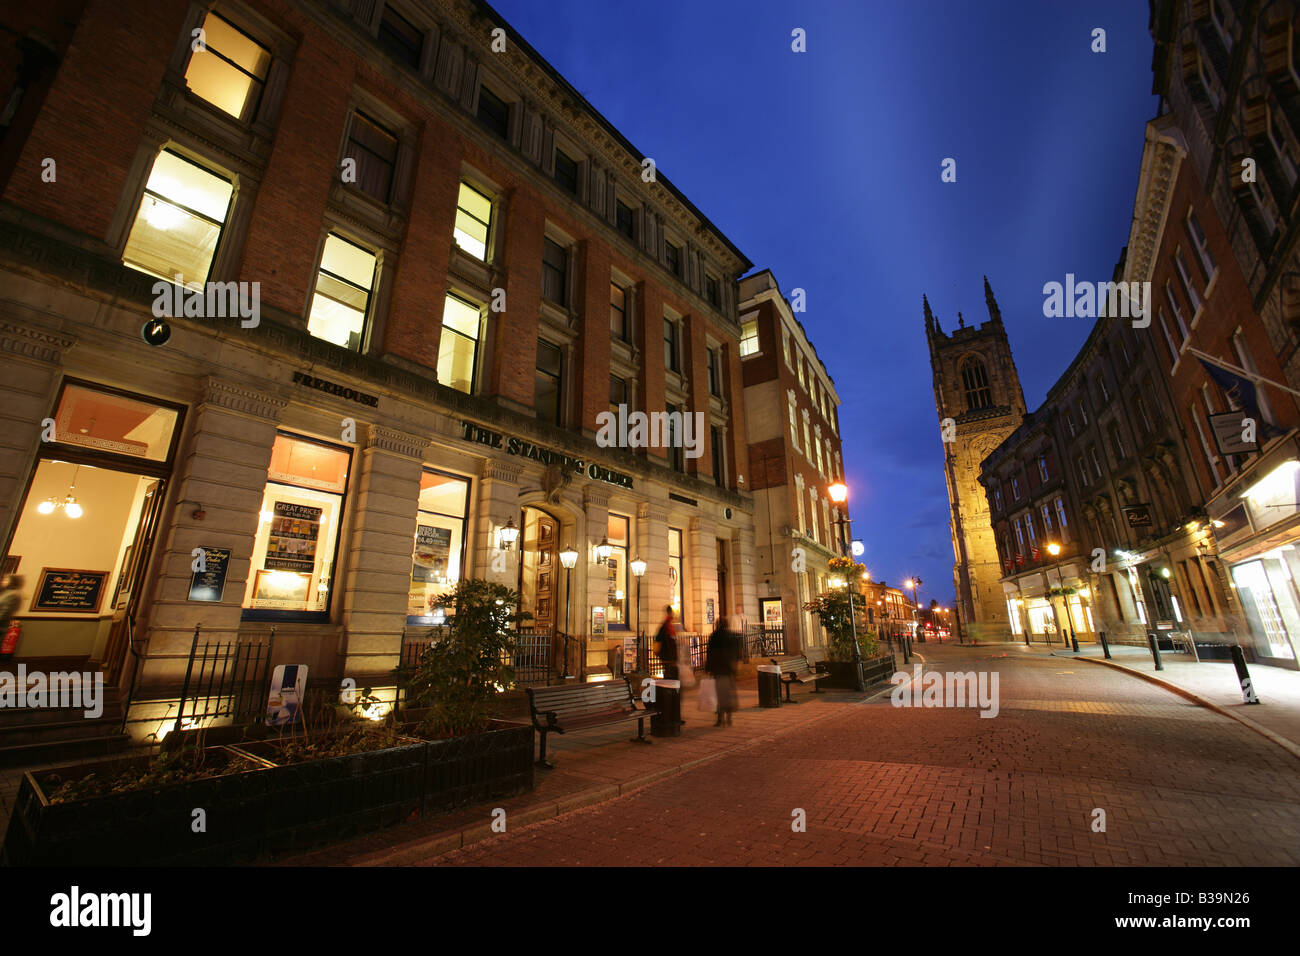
{"points": [[769, 685], [668, 699]]}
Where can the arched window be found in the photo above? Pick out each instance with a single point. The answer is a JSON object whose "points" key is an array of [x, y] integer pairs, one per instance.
{"points": [[975, 380]]}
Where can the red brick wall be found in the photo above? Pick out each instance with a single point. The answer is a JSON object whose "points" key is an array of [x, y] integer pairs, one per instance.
{"points": [[95, 111], [591, 374]]}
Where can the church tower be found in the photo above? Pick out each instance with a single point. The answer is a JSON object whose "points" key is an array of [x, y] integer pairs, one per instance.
{"points": [[977, 394]]}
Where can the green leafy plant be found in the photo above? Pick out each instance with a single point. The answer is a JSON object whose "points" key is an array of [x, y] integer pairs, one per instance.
{"points": [[832, 609], [457, 680]]}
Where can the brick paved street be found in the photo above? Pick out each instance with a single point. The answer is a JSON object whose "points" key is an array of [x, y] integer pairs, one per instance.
{"points": [[942, 787]]}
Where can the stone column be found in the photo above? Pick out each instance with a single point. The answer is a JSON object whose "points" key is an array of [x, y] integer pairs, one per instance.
{"points": [[32, 359], [595, 501], [223, 467], [378, 556], [744, 569], [498, 503], [656, 591], [702, 560]]}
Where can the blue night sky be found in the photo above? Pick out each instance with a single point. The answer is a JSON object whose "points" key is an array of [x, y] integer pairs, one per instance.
{"points": [[824, 166]]}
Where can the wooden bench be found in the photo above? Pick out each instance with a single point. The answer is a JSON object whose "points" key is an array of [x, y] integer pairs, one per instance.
{"points": [[574, 707], [796, 670]]}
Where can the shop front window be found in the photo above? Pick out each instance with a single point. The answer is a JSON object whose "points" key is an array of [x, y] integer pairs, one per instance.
{"points": [[291, 575], [616, 567], [437, 555], [86, 527], [675, 572], [1268, 596]]}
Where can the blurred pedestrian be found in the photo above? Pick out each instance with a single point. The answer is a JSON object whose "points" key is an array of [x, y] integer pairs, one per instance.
{"points": [[666, 644], [720, 664], [11, 594]]}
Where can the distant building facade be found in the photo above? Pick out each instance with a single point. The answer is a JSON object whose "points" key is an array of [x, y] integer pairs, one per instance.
{"points": [[792, 417]]}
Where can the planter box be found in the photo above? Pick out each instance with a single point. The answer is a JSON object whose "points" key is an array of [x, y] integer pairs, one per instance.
{"points": [[467, 770], [844, 674], [286, 808]]}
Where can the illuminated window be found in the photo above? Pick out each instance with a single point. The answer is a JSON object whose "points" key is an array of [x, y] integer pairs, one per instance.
{"points": [[458, 347], [675, 567], [179, 224], [294, 550], [473, 219], [749, 338], [342, 299], [1060, 514], [230, 71], [616, 571], [436, 556]]}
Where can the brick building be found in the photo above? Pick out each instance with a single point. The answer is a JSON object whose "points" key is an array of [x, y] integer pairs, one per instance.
{"points": [[794, 457], [458, 267], [979, 400], [1099, 471]]}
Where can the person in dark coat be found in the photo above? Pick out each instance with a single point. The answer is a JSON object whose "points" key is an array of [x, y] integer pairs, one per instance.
{"points": [[666, 644], [720, 664]]}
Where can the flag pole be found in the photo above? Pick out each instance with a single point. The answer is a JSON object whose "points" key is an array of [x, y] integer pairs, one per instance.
{"points": [[1254, 377]]}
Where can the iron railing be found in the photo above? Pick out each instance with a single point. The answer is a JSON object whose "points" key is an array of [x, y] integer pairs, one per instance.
{"points": [[763, 642], [225, 678], [538, 657]]}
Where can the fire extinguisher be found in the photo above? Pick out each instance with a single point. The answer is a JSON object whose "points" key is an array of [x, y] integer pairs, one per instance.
{"points": [[10, 643]]}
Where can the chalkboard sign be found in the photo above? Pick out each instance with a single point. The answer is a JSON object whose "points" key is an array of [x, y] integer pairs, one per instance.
{"points": [[63, 589], [208, 584]]}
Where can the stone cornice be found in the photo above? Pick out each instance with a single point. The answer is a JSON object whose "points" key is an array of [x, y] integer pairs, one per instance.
{"points": [[396, 441], [497, 469], [242, 399], [652, 512], [33, 343], [1161, 156], [597, 495]]}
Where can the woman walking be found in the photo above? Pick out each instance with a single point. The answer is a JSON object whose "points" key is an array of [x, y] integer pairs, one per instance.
{"points": [[720, 664]]}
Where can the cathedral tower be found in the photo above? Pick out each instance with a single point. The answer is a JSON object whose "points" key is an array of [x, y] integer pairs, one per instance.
{"points": [[978, 397]]}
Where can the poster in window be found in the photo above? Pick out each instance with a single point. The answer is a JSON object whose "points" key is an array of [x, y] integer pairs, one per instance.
{"points": [[291, 546], [772, 613], [614, 596], [598, 622], [432, 552]]}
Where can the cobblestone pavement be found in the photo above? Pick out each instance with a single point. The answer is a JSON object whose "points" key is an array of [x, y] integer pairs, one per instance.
{"points": [[883, 785]]}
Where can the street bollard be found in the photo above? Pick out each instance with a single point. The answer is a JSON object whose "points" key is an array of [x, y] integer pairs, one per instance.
{"points": [[1105, 647], [1074, 640], [1027, 633], [1155, 650], [1247, 689]]}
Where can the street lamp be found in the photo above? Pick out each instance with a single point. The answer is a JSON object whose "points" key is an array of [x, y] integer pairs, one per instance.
{"points": [[913, 584], [638, 570], [568, 559], [839, 493], [1054, 549]]}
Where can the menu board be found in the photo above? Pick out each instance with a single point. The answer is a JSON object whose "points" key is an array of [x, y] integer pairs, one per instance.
{"points": [[295, 530], [432, 551], [613, 598], [208, 584], [598, 622], [62, 589]]}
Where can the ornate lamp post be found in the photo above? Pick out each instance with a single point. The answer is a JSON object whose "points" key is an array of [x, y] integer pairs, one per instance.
{"points": [[638, 567], [839, 493], [568, 559], [913, 584]]}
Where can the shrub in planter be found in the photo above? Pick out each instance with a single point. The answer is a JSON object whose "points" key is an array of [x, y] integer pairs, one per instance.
{"points": [[832, 609], [457, 681]]}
